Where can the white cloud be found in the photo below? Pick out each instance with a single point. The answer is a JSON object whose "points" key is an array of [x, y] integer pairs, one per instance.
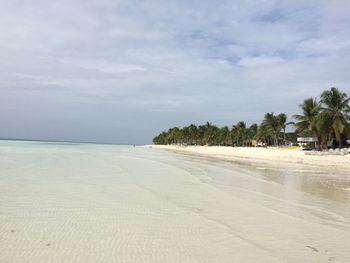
{"points": [[164, 62], [260, 61]]}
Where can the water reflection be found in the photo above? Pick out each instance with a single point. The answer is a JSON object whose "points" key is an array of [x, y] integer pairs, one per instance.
{"points": [[322, 182], [298, 190]]}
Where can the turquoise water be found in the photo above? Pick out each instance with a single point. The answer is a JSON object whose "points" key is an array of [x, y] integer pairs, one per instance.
{"points": [[70, 202]]}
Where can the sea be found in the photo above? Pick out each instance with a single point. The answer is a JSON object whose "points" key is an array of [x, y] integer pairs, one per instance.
{"points": [[81, 202]]}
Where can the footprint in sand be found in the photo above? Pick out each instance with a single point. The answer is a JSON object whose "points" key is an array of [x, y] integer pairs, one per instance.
{"points": [[312, 248]]}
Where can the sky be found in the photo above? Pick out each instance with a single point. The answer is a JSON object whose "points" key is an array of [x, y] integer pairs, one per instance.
{"points": [[122, 71]]}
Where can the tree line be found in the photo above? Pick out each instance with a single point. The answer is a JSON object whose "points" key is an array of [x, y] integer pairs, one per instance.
{"points": [[326, 119]]}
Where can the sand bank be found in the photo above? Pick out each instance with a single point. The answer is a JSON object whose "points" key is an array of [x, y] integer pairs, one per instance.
{"points": [[283, 155]]}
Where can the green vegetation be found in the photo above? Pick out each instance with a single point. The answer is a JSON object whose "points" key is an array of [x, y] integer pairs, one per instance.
{"points": [[327, 120]]}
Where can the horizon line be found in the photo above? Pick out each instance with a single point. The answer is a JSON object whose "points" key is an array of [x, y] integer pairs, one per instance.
{"points": [[66, 141]]}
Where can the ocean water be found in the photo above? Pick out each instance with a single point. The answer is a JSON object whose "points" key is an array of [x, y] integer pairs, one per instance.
{"points": [[65, 202]]}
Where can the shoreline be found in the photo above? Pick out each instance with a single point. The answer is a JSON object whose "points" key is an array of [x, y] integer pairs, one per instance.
{"points": [[267, 155]]}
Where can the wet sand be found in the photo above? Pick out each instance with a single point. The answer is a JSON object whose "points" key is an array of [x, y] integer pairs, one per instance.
{"points": [[104, 203]]}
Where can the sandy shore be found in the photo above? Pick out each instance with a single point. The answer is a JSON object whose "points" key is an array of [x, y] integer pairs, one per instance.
{"points": [[290, 156]]}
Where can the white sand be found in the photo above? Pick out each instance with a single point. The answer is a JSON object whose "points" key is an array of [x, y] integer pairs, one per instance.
{"points": [[100, 203], [264, 154]]}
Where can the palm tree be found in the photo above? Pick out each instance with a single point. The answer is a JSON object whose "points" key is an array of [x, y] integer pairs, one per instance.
{"points": [[185, 135], [201, 132], [324, 128], [263, 134], [210, 134], [282, 118], [253, 131], [174, 135], [272, 123], [193, 134], [309, 119], [234, 135], [335, 106], [242, 127], [239, 133], [224, 134]]}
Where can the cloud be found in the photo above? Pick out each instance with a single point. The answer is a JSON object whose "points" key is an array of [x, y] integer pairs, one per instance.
{"points": [[135, 68], [260, 61]]}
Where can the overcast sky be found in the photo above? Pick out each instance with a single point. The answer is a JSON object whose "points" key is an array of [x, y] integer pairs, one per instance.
{"points": [[122, 71]]}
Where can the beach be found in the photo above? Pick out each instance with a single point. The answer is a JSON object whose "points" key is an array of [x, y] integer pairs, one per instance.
{"points": [[282, 156], [67, 202]]}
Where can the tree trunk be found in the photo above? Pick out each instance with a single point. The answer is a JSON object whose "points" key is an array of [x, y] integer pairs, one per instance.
{"points": [[338, 137], [276, 140], [317, 144]]}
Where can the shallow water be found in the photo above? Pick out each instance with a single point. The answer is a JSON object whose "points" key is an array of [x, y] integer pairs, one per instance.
{"points": [[105, 203]]}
